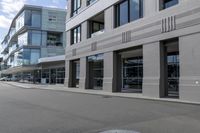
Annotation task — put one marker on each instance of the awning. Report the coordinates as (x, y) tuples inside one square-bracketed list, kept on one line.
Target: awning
[(19, 69)]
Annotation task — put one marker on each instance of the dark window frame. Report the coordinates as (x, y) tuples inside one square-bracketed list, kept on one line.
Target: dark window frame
[(72, 35), (117, 12), (75, 11), (163, 4), (91, 25), (89, 2)]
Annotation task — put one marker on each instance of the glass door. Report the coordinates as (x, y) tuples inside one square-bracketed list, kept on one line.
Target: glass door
[(53, 76), (132, 72), (173, 74)]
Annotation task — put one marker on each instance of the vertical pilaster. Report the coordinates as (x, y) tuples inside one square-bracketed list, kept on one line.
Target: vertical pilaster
[(108, 72), (84, 27), (151, 69), (83, 74), (189, 67), (109, 19), (150, 7), (67, 73)]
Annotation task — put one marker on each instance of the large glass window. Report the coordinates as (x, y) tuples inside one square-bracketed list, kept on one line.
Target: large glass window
[(96, 71), (173, 74), (36, 37), (132, 74), (75, 73), (20, 22), (45, 76), (60, 76), (23, 39), (30, 56), (76, 5), (35, 55), (76, 35), (36, 19), (54, 39), (90, 1), (33, 18), (127, 11), (167, 3)]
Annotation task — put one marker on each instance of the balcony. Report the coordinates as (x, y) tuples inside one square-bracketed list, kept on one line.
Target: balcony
[(97, 33), (13, 48), (96, 25)]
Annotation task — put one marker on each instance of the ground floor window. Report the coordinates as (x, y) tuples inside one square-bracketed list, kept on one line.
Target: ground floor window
[(173, 74), (60, 76), (75, 73), (95, 64), (45, 76), (132, 74)]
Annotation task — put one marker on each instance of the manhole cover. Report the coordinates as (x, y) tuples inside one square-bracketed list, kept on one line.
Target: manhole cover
[(119, 131)]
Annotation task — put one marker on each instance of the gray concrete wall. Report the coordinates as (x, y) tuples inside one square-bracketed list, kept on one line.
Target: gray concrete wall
[(151, 69), (190, 67)]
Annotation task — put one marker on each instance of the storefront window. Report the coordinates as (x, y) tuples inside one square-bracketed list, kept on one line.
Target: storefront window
[(60, 77), (132, 74), (75, 73), (96, 71)]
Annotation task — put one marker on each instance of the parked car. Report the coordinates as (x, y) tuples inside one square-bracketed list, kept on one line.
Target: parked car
[(5, 79)]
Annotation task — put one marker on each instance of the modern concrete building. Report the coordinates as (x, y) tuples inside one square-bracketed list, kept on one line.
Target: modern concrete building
[(135, 46), (34, 48)]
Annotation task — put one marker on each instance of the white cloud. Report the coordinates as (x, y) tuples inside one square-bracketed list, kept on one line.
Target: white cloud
[(55, 1), (52, 6), (11, 7), (4, 22)]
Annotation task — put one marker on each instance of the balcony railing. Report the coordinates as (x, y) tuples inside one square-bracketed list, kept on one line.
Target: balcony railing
[(98, 33)]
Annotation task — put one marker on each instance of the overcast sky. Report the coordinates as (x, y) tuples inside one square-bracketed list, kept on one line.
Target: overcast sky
[(9, 8)]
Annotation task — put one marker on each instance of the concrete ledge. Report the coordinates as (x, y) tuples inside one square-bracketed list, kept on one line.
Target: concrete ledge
[(95, 92)]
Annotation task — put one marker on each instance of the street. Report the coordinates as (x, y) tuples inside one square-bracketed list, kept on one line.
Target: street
[(46, 111)]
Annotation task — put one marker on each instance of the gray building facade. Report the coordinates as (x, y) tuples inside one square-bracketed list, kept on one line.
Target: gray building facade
[(149, 47), (35, 35)]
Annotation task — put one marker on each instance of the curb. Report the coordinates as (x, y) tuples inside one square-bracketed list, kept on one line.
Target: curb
[(111, 95)]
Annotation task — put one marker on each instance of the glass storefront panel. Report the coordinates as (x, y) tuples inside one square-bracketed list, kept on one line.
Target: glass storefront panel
[(96, 71), (173, 74), (45, 76), (75, 73), (132, 71), (60, 75), (53, 76)]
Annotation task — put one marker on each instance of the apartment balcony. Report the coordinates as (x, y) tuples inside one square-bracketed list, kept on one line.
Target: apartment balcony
[(5, 57), (96, 25), (13, 48), (98, 33)]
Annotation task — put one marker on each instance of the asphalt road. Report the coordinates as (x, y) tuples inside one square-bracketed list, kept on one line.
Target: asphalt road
[(45, 111)]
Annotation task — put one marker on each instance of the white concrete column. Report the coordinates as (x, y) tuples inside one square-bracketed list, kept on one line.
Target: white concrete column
[(189, 47), (68, 38), (83, 74), (150, 7), (84, 31), (67, 72), (109, 19), (83, 3), (151, 69), (69, 9), (108, 71)]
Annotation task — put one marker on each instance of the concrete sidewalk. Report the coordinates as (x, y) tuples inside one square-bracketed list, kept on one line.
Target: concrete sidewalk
[(94, 92)]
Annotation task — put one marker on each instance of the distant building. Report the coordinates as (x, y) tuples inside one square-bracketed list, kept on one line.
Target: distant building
[(34, 48)]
